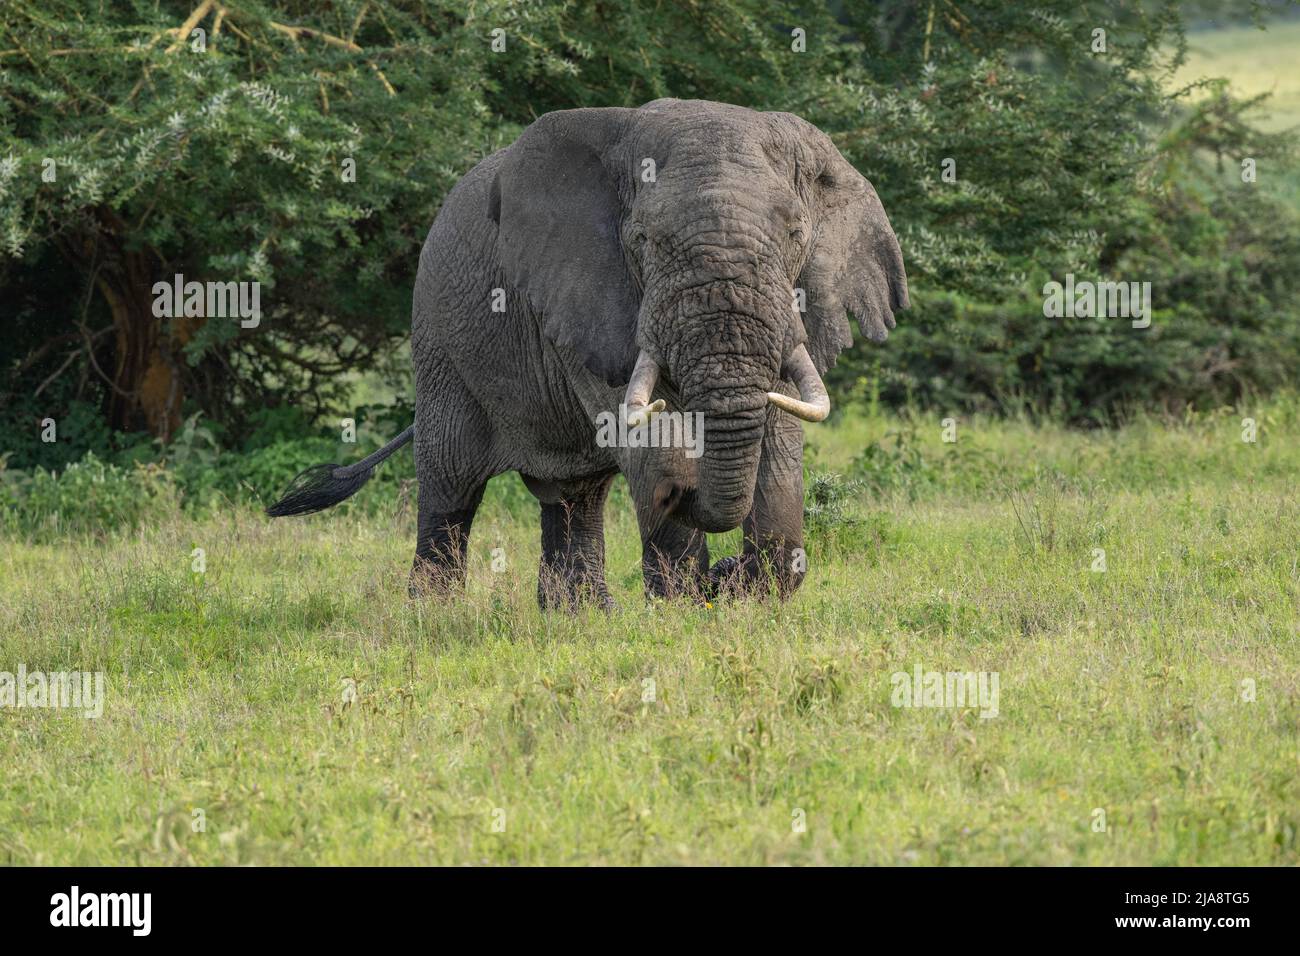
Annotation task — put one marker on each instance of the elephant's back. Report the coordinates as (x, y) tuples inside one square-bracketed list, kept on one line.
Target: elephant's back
[(461, 236), (467, 320), (457, 272)]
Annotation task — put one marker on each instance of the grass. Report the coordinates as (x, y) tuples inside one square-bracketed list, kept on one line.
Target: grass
[(313, 715)]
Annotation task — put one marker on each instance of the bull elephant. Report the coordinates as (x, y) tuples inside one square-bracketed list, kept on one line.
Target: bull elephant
[(686, 256)]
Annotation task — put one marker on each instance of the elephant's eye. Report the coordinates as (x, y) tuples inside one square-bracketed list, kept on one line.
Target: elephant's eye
[(826, 181), (797, 234)]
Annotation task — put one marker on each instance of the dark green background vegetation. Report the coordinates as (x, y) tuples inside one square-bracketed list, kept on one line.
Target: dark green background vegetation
[(225, 164)]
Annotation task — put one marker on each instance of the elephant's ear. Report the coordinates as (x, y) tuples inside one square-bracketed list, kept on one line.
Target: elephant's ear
[(855, 265), (557, 206)]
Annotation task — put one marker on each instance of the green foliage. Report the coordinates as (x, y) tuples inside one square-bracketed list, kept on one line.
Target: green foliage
[(898, 463), (834, 524), (229, 164), (193, 471), (1067, 161), (235, 163), (82, 429), (268, 470), (89, 497), (270, 426), (825, 498)]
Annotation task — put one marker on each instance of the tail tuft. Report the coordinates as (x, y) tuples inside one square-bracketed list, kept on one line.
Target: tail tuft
[(322, 486), (318, 488)]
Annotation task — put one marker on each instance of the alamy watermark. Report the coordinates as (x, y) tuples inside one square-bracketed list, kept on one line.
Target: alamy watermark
[(61, 690), (663, 430), (75, 908), (209, 300), (951, 689), (1098, 300)]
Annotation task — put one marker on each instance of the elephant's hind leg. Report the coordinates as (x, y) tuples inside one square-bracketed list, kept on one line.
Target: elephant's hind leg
[(442, 547), (572, 570), (453, 459), (453, 464)]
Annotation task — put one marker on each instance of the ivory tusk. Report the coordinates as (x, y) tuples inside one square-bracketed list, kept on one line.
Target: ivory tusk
[(640, 386), (813, 404)]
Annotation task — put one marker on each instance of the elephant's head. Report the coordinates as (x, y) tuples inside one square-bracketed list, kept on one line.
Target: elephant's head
[(706, 251)]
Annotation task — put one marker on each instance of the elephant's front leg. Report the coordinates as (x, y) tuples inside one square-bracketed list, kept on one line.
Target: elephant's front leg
[(674, 559), (773, 550), (674, 556), (572, 570)]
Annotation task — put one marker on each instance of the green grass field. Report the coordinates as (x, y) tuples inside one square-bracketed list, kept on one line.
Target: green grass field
[(1148, 713)]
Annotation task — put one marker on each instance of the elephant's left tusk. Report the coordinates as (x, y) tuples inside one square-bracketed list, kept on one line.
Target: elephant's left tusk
[(816, 403), (640, 386)]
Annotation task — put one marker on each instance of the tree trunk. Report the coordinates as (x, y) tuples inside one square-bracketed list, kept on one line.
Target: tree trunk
[(147, 388), (146, 378)]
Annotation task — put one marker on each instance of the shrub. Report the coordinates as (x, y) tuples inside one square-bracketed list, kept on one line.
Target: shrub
[(895, 463), (267, 471), (88, 497)]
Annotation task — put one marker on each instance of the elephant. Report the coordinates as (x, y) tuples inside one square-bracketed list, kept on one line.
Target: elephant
[(626, 264)]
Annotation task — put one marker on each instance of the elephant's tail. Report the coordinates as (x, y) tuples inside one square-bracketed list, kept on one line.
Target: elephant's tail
[(323, 486)]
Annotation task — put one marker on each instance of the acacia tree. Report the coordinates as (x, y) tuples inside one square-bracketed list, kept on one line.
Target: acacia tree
[(301, 146), (304, 146)]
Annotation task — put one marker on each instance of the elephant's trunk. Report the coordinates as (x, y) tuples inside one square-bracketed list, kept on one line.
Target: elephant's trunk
[(727, 478), (734, 419), (720, 337)]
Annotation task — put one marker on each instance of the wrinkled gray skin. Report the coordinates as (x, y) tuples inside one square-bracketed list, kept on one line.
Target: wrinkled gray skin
[(698, 268)]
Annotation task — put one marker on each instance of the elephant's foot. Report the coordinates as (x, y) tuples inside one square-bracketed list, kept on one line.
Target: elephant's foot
[(560, 591), (729, 578), (751, 575), (572, 572), (434, 579), (442, 545), (675, 564), (685, 579)]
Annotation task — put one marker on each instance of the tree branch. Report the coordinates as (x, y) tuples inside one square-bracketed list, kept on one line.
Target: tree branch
[(199, 13)]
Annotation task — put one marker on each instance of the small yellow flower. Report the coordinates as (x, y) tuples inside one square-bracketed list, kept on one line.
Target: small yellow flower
[(708, 605)]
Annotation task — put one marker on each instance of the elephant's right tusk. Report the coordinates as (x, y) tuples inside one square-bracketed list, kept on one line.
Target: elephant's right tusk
[(640, 386), (816, 403)]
